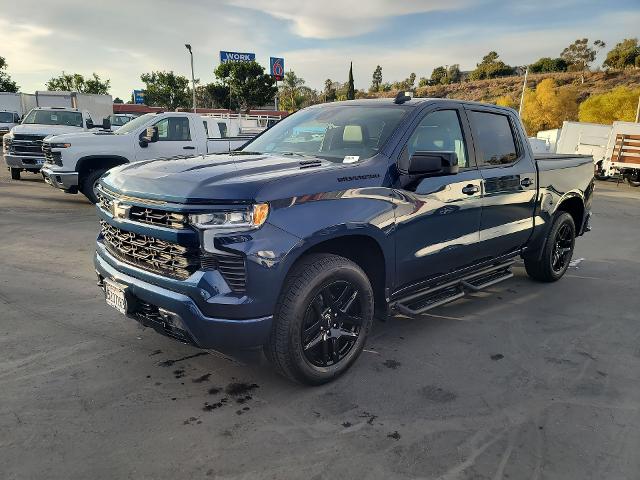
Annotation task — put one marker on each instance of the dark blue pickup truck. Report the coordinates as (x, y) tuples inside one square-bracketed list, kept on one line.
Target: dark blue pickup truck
[(340, 213)]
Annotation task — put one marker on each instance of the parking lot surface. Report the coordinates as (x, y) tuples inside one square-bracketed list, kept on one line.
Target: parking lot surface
[(523, 381)]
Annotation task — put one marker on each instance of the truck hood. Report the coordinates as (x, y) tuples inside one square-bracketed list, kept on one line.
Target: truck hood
[(84, 138), (37, 129), (215, 178)]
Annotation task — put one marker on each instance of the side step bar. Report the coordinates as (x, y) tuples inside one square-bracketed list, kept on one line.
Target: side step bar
[(424, 300)]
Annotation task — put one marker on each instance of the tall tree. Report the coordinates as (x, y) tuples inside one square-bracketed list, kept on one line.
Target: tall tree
[(248, 84), (292, 91), (377, 79), (438, 75), (329, 92), (75, 82), (491, 67), (351, 90), (579, 55), (166, 89), (623, 55), (6, 84)]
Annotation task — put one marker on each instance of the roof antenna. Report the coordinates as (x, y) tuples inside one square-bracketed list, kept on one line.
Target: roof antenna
[(402, 97)]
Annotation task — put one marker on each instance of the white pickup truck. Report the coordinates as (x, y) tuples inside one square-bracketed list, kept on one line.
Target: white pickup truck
[(75, 162), (22, 146)]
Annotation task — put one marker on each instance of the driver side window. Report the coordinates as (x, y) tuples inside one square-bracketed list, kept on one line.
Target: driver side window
[(439, 131)]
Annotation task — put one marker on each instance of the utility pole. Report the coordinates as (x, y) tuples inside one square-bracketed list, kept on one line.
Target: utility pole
[(193, 78), (524, 88), (638, 111)]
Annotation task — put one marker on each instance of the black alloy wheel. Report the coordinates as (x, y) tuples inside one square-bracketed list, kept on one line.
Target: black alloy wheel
[(331, 324)]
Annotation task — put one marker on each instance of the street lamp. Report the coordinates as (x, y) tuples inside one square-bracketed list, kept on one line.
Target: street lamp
[(193, 78)]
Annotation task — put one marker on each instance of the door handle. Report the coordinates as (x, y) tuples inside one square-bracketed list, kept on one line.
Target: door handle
[(188, 148), (470, 189), (526, 182)]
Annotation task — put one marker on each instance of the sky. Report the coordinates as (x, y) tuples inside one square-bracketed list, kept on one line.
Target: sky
[(120, 40)]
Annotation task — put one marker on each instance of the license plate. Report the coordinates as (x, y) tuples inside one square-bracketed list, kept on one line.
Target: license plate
[(115, 296)]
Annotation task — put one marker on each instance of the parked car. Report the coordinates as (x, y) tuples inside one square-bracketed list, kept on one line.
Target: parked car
[(76, 162), (22, 146), (119, 119), (8, 120), (339, 213)]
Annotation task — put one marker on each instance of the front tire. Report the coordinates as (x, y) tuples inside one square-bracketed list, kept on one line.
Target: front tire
[(89, 184), (556, 253), (15, 173), (322, 319)]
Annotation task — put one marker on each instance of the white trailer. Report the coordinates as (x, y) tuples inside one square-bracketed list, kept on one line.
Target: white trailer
[(585, 138), (550, 137), (98, 106), (623, 152)]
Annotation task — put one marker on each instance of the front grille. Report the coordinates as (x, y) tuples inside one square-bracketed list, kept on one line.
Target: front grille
[(154, 216), (231, 267), (54, 158), (22, 144), (149, 253)]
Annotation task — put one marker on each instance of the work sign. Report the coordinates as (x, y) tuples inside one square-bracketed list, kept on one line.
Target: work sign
[(236, 57)]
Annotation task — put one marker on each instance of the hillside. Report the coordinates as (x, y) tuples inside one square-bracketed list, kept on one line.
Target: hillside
[(490, 90)]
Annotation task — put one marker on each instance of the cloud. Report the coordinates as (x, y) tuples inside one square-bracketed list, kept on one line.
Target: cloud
[(330, 19)]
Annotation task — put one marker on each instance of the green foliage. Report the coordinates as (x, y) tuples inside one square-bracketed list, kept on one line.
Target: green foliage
[(249, 85), (444, 76), (6, 84), (624, 55), (376, 80), (294, 95), (618, 104), (491, 67), (166, 89), (351, 91), (330, 91), (118, 100), (547, 64), (579, 55), (75, 82), (215, 95), (406, 84)]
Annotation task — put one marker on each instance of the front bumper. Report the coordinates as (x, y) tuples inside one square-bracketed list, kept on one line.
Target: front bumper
[(67, 181), (23, 161), (180, 316)]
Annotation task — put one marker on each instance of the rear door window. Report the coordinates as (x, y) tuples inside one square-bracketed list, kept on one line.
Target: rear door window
[(493, 138)]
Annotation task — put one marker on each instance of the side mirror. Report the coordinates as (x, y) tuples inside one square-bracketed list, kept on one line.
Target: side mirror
[(106, 123), (89, 123), (150, 135), (433, 164)]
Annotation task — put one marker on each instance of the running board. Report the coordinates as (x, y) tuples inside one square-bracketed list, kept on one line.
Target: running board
[(422, 301)]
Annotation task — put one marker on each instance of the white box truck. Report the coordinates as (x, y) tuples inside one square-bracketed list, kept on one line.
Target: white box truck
[(55, 113), (585, 139)]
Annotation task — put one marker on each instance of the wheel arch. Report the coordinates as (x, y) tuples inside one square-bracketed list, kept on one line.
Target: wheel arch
[(362, 249), (94, 162)]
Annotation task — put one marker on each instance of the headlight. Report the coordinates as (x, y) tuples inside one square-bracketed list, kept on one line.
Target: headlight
[(59, 145), (252, 217), (6, 142)]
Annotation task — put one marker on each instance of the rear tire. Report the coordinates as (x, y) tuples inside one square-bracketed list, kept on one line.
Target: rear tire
[(89, 183), (15, 173), (556, 253), (322, 319), (634, 178)]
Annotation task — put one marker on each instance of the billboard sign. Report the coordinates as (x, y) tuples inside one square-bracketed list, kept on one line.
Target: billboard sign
[(277, 67), (138, 97), (236, 57)]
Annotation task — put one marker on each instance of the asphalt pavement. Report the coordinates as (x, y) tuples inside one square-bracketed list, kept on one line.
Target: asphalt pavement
[(522, 381)]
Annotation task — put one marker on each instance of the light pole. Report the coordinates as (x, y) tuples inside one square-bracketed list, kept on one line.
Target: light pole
[(193, 79), (524, 88)]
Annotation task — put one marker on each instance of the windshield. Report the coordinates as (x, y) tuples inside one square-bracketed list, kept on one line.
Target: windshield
[(119, 120), (134, 124), (340, 133), (54, 117), (6, 117)]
